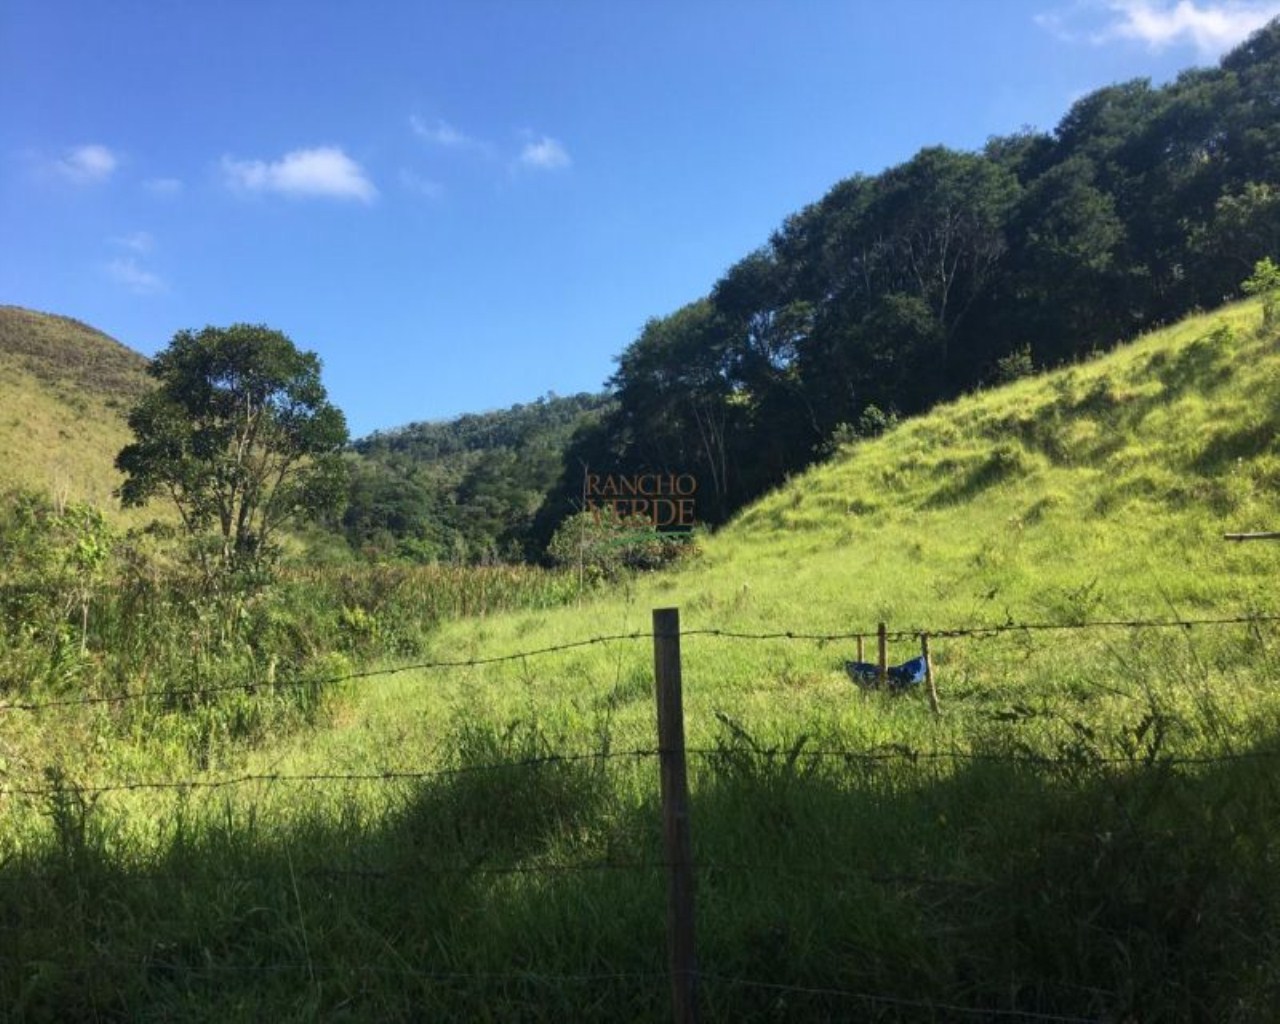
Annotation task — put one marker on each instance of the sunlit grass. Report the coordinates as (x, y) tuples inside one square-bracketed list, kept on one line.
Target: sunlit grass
[(1087, 829)]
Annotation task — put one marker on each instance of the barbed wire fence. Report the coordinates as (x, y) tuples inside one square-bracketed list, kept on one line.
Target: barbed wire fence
[(677, 863)]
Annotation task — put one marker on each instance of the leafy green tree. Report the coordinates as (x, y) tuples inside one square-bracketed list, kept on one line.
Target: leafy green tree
[(1265, 282), (678, 408), (240, 435), (1244, 227), (1067, 280)]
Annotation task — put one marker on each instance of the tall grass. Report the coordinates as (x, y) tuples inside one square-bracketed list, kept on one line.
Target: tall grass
[(1094, 857), (1088, 831), (243, 666)]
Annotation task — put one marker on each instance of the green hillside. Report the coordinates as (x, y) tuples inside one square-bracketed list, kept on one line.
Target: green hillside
[(1098, 490), (1087, 831), (65, 389), (898, 290)]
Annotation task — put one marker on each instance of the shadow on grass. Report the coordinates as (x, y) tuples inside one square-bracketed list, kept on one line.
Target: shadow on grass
[(894, 887)]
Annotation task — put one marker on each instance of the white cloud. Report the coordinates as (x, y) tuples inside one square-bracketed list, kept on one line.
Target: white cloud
[(423, 186), (1211, 26), (325, 171), (442, 133), (141, 242), (163, 187), (544, 154), (126, 271), (87, 165)]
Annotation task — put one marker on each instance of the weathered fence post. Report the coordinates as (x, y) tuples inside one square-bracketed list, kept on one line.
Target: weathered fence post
[(883, 663), (928, 673), (860, 654), (675, 815)]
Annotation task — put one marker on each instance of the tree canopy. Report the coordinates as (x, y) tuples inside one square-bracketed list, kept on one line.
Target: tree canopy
[(947, 272), (463, 490), (240, 435)]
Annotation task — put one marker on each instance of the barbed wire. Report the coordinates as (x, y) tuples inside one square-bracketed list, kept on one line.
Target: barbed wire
[(371, 874), (897, 752), (193, 692), (376, 775), (995, 629), (705, 868), (1028, 757), (296, 684), (915, 1004), (311, 968)]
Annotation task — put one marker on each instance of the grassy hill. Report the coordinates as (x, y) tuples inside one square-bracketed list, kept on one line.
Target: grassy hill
[(1101, 490), (65, 389), (1086, 832)]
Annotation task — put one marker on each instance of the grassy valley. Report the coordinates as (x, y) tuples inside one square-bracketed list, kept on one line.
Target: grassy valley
[(1086, 832), (382, 766)]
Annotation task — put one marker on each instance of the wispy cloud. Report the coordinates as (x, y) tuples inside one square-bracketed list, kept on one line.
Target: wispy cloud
[(86, 165), (415, 182), (163, 187), (445, 135), (141, 242), (1211, 26), (544, 154), (325, 171), (126, 271)]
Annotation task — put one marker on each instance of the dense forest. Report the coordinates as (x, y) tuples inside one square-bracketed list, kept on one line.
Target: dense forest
[(894, 291), (951, 271), (464, 490)]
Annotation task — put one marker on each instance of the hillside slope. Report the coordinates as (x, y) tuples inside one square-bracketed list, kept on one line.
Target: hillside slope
[(1083, 832), (1036, 848), (65, 389), (1102, 488), (1099, 491)]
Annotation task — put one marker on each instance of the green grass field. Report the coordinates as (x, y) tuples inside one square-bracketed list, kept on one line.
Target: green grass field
[(1088, 832)]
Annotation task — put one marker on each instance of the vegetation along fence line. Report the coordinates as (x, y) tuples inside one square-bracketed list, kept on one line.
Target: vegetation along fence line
[(677, 863), (923, 634)]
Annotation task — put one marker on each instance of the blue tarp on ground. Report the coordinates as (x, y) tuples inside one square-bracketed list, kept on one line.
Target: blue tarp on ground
[(898, 677)]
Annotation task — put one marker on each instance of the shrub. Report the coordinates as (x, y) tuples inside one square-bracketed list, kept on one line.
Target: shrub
[(1265, 282)]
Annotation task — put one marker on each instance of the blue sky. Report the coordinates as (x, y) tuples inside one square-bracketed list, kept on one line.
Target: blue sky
[(461, 205)]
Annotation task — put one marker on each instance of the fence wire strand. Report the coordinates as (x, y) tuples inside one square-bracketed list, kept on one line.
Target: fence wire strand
[(874, 756), (978, 632), (321, 778), (705, 867), (330, 681), (915, 1004)]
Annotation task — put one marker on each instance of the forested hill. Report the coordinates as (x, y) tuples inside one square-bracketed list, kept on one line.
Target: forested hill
[(464, 489), (955, 269)]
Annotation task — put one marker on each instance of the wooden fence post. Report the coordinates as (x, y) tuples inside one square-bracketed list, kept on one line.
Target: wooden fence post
[(883, 663), (860, 654), (928, 673), (675, 815)]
